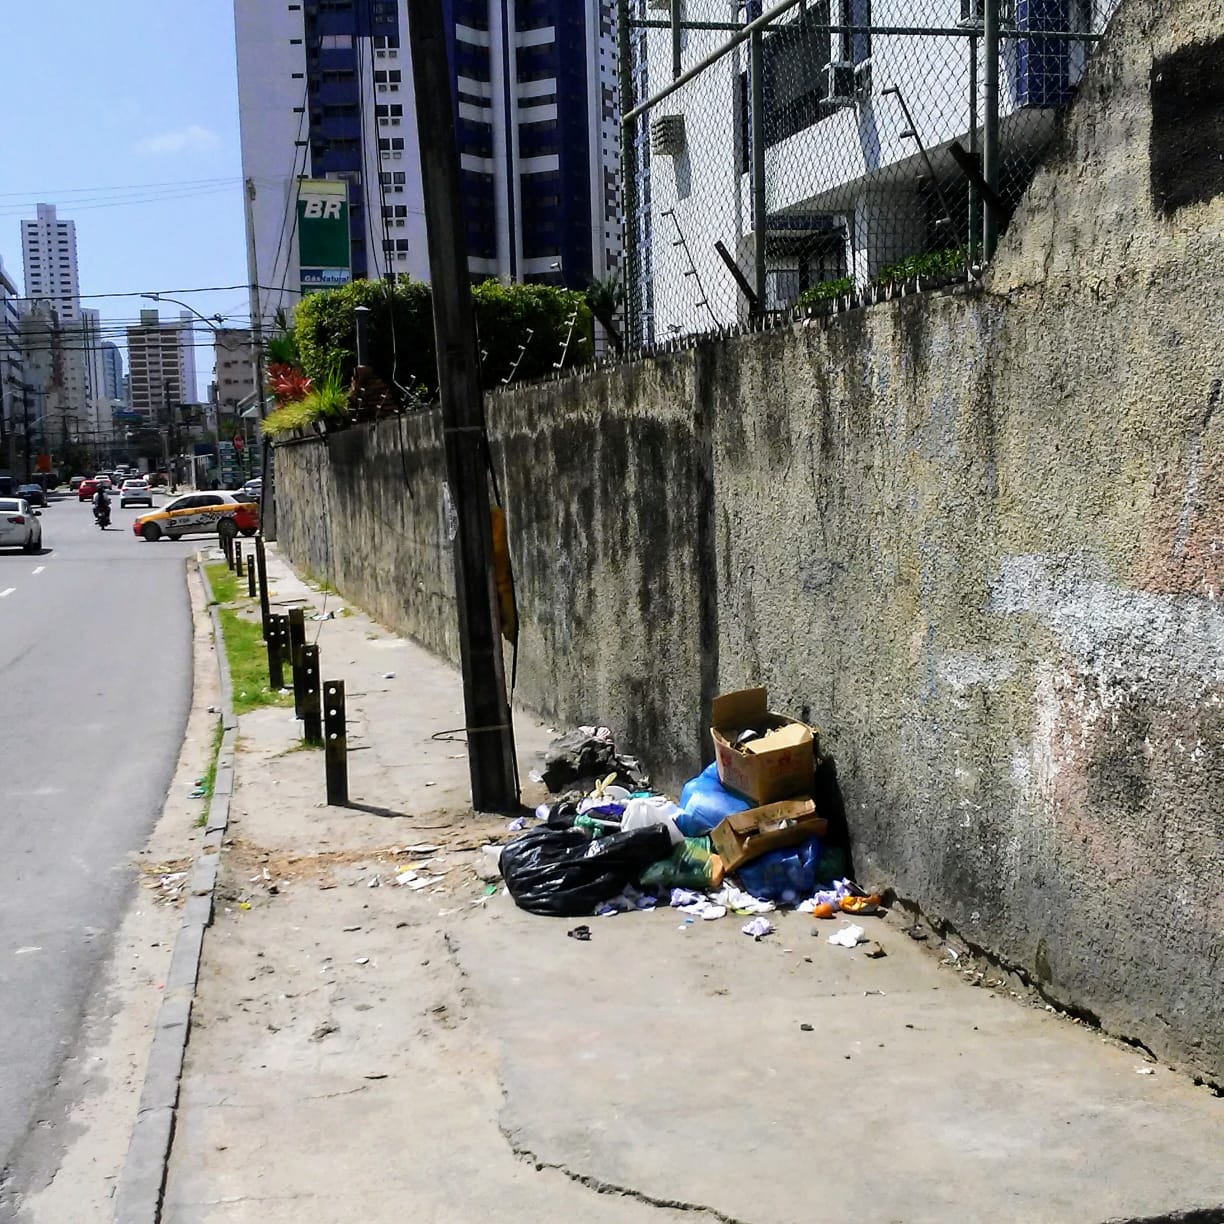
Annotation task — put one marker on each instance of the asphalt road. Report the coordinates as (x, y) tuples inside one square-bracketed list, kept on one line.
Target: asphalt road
[(95, 685)]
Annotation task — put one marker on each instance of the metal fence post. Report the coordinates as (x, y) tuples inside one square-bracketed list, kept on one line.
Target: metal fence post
[(276, 635), (990, 126), (335, 742), (312, 729), (756, 73), (631, 230), (297, 639), (250, 569), (261, 564)]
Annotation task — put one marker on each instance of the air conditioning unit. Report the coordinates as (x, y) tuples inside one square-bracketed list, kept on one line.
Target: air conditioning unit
[(381, 54), (656, 5), (839, 83), (667, 135)]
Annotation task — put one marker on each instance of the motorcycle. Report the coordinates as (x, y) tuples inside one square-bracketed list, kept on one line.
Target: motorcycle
[(102, 516)]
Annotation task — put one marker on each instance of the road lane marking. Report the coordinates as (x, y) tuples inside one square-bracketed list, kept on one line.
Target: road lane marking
[(7, 591), (40, 569)]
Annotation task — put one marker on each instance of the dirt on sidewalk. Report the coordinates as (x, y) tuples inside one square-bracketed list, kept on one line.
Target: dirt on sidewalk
[(381, 1035)]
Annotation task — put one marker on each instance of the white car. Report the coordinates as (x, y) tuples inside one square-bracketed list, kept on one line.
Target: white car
[(135, 493), (19, 525)]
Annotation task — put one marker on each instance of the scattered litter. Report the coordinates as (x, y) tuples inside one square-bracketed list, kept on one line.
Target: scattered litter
[(953, 956), (806, 1028), (388, 675), (758, 928), (516, 824), (198, 793), (362, 960), (374, 882), (490, 889), (536, 776), (916, 932), (244, 905), (848, 937), (741, 902), (213, 710), (375, 1075), (626, 902), (326, 1029), (875, 951), (322, 616), (1144, 1071), (582, 933), (431, 784), (486, 863), (421, 848), (351, 929)]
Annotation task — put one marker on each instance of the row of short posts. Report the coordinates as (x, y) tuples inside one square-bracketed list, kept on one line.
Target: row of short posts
[(319, 705)]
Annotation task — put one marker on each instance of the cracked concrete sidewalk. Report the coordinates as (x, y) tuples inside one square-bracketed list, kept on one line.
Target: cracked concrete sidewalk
[(375, 1053)]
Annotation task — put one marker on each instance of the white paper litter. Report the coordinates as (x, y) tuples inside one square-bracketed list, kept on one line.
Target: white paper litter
[(849, 936)]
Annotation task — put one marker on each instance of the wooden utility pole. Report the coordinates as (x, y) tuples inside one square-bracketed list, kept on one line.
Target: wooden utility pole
[(490, 733)]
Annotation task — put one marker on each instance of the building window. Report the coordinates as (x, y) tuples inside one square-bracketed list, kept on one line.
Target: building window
[(336, 42)]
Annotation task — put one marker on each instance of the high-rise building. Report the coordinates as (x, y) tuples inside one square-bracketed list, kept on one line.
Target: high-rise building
[(11, 366), (187, 342), (155, 366), (326, 92), (233, 370), (49, 250), (112, 371)]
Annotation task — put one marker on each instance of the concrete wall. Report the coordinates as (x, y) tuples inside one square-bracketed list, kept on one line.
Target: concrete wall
[(977, 536)]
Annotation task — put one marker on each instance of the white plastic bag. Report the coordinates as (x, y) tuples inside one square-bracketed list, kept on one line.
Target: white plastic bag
[(651, 810)]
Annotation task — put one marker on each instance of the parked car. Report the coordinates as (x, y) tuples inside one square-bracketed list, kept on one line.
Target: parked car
[(199, 514), (74, 483), (19, 525), (157, 479), (86, 489), (135, 493), (34, 494), (254, 487)]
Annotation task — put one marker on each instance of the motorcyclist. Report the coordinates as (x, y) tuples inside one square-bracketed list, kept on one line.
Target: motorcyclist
[(101, 503)]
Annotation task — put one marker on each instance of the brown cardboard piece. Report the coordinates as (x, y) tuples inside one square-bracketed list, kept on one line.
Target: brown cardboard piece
[(744, 836), (772, 771)]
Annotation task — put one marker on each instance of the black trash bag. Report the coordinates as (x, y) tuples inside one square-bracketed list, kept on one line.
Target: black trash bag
[(562, 873)]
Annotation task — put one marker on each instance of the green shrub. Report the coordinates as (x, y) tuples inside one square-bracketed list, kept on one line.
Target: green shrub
[(933, 265), (826, 291), (402, 348), (326, 400)]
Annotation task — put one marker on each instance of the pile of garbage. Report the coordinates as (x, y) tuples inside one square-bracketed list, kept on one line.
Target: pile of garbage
[(744, 838)]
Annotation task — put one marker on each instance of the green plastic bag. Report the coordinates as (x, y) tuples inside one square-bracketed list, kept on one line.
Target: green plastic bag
[(693, 864)]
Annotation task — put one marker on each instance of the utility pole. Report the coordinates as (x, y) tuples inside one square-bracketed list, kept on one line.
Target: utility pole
[(490, 733), (25, 427), (267, 500), (171, 439)]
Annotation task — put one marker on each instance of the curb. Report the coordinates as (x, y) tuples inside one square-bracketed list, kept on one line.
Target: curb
[(138, 1197)]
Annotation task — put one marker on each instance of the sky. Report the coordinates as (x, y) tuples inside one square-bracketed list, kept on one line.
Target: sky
[(125, 116)]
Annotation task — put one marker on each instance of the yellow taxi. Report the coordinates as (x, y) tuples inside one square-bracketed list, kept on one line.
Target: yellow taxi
[(205, 513)]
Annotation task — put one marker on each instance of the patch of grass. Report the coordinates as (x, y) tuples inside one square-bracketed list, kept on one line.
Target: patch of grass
[(248, 663), (223, 581), (301, 746)]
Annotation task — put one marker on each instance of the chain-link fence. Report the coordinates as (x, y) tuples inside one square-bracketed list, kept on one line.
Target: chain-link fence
[(784, 154)]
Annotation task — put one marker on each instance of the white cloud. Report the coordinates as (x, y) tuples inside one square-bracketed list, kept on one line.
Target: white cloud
[(190, 139)]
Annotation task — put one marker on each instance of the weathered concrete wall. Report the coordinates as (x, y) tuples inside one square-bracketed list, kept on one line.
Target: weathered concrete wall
[(978, 536)]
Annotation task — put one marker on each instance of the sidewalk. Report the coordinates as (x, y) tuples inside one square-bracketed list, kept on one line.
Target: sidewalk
[(366, 1051)]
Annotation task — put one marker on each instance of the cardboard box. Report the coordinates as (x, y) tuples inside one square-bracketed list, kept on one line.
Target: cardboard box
[(743, 836), (772, 769)]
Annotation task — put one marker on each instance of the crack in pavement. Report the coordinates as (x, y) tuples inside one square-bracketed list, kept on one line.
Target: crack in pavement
[(600, 1186)]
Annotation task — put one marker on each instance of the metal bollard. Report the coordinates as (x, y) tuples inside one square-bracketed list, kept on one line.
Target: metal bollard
[(277, 637), (312, 729), (227, 548), (261, 564), (297, 639), (250, 568), (237, 559), (335, 743)]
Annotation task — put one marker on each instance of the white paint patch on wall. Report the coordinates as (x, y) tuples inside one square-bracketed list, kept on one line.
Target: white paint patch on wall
[(1157, 642), (965, 669)]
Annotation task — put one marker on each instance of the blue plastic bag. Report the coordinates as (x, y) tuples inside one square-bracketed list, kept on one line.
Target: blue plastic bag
[(705, 802), (786, 876)]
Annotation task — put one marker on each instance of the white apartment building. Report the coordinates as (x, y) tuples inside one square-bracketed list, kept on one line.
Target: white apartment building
[(847, 188), (49, 251), (155, 367), (233, 370), (326, 92)]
